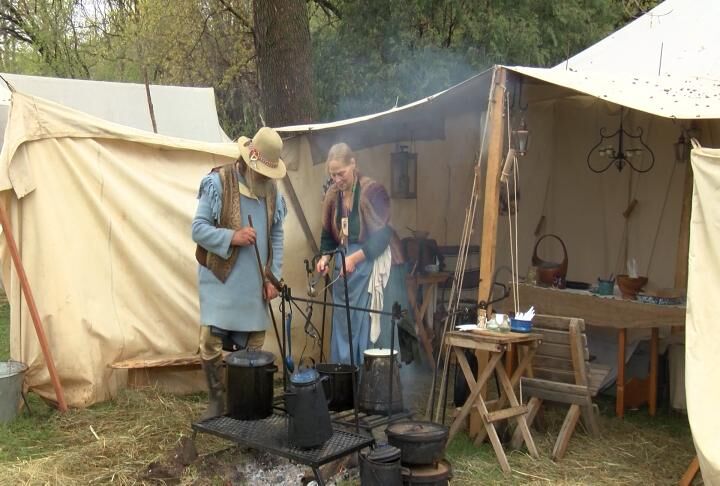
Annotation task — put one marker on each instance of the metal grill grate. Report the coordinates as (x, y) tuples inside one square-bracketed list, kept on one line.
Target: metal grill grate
[(271, 434)]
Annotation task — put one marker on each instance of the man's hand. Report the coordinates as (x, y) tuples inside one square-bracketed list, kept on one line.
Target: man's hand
[(244, 237), (322, 265), (269, 291)]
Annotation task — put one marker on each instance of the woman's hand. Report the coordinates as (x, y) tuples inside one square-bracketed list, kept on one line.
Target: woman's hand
[(351, 261), (244, 237), (322, 265), (269, 291)]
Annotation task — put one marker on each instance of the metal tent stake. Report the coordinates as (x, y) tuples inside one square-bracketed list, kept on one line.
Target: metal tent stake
[(30, 300)]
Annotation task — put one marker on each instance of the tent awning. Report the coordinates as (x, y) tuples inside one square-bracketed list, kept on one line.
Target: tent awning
[(669, 95)]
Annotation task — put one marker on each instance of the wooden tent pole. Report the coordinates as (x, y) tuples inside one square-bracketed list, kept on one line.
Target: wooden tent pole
[(25, 285), (488, 235)]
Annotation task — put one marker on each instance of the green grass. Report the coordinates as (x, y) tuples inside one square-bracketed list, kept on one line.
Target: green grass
[(32, 434), (4, 329)]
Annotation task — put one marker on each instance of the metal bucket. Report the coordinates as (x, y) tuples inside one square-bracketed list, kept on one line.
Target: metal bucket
[(11, 382)]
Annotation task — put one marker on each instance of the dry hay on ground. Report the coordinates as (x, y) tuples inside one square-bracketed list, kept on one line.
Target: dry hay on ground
[(142, 438)]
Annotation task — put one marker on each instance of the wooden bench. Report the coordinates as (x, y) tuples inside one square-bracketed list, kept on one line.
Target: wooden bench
[(561, 372), (177, 373)]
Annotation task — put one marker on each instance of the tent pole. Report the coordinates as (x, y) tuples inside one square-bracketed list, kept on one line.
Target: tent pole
[(488, 236), (491, 211), (30, 300)]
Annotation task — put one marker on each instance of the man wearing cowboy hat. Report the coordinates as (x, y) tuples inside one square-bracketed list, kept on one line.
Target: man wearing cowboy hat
[(233, 292)]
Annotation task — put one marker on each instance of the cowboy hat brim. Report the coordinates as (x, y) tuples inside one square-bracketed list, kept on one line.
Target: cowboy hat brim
[(257, 165)]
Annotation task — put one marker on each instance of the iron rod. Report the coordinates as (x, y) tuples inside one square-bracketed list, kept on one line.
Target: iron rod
[(349, 307), (350, 342)]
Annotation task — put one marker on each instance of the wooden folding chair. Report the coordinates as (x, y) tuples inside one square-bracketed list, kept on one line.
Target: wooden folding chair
[(562, 373)]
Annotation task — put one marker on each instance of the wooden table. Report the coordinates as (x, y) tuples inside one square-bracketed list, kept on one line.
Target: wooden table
[(429, 282), (608, 312), (495, 343)]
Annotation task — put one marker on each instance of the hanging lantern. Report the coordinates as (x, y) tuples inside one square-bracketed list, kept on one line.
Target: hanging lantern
[(521, 136), (682, 150), (403, 172)]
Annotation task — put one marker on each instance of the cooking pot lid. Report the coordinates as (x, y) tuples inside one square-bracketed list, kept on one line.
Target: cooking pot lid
[(384, 453), (303, 377), (379, 352), (428, 473), (250, 358), (417, 431)]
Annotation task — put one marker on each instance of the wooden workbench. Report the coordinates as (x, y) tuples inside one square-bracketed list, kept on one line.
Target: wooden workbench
[(607, 312)]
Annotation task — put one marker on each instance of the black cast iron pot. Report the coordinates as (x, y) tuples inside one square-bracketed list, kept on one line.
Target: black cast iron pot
[(250, 384), (339, 384), (420, 443)]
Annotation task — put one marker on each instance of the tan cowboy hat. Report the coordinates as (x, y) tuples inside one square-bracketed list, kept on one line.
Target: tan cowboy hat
[(262, 153)]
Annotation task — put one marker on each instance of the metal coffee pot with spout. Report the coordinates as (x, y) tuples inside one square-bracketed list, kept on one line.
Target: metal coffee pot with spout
[(309, 423)]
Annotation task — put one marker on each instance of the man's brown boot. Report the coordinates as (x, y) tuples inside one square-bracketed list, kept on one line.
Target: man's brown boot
[(216, 390)]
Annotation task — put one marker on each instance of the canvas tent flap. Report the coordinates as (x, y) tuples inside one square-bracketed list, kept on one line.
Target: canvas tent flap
[(184, 112), (35, 119), (674, 95), (104, 236), (677, 36), (702, 366)]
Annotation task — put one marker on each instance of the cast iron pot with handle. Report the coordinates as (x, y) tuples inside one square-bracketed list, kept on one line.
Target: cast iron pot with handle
[(420, 443), (339, 384), (250, 384), (309, 419)]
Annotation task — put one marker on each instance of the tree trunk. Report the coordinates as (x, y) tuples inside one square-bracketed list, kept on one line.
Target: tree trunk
[(284, 61)]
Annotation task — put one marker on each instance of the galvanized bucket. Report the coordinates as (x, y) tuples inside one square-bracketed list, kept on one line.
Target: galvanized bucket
[(11, 382)]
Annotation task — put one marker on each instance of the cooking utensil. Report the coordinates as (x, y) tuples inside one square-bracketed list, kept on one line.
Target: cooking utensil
[(419, 442), (378, 368), (250, 384), (309, 423), (435, 475), (289, 363), (339, 384)]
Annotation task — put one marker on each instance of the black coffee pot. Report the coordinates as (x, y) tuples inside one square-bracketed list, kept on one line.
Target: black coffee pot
[(309, 420)]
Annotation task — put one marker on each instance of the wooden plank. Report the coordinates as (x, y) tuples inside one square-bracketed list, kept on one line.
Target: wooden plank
[(420, 329), (555, 396), (295, 201), (554, 375), (508, 391), (488, 234), (505, 413), (580, 354), (568, 388), (652, 397), (690, 472), (554, 322), (596, 376), (466, 341), (184, 359), (503, 337), (566, 431), (620, 383), (599, 311), (552, 363), (533, 407), (559, 351), (558, 337), (475, 388)]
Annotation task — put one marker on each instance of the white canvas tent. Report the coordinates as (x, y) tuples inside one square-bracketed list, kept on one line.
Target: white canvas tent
[(184, 112)]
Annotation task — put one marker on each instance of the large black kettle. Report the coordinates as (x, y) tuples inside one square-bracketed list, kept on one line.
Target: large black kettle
[(309, 420)]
